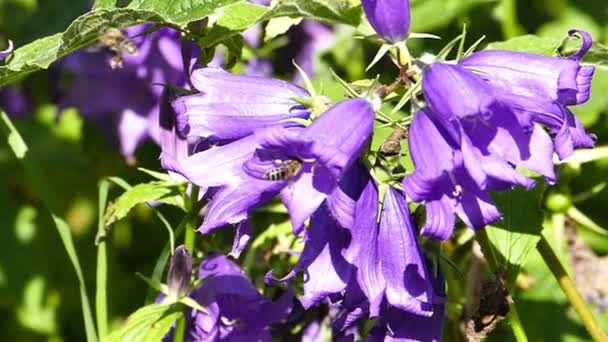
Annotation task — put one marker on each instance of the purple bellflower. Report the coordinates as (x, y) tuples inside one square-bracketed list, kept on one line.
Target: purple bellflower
[(390, 265), (540, 88), (389, 18), (254, 169), (4, 53), (442, 181), (132, 92), (236, 311), (231, 106), (401, 326)]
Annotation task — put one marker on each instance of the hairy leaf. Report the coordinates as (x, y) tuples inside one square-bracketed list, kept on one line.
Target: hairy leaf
[(141, 193), (150, 323), (331, 11), (519, 231)]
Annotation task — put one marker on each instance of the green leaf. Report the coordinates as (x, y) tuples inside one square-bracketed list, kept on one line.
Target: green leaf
[(164, 192), (331, 11), (180, 12), (234, 19), (83, 31), (104, 4), (150, 323), (519, 231), (528, 43)]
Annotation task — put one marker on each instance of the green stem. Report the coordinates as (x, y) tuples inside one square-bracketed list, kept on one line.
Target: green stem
[(189, 241), (488, 251), (190, 237), (510, 26), (567, 285), (486, 248), (516, 326)]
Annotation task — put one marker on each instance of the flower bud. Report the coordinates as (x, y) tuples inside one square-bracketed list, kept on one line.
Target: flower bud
[(180, 271), (389, 18)]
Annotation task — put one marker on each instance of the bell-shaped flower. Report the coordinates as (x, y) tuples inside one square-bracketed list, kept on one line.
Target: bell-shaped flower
[(443, 182), (326, 270), (540, 88), (236, 311), (390, 265), (389, 18), (9, 49), (304, 165), (126, 100), (486, 130), (232, 106), (398, 325), (310, 161)]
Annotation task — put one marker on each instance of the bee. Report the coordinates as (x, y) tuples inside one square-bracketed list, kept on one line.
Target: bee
[(116, 41), (284, 170)]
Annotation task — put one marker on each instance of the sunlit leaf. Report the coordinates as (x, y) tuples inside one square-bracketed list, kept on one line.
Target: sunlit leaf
[(149, 323)]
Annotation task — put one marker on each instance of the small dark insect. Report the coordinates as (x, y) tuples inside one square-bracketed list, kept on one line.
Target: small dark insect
[(116, 41), (284, 170)]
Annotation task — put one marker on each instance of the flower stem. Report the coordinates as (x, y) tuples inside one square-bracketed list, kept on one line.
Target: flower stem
[(486, 248), (567, 285), (190, 236), (488, 251)]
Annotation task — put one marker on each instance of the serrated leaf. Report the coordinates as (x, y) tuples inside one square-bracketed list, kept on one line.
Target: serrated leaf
[(82, 32), (150, 323), (331, 11), (141, 193), (234, 19), (519, 231), (181, 11), (85, 30)]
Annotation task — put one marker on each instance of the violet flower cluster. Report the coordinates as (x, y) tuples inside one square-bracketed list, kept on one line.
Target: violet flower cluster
[(485, 121), (235, 310), (486, 118), (127, 99)]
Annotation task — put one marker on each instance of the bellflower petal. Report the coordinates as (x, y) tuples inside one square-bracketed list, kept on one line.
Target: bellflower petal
[(389, 18), (562, 80), (242, 237), (4, 53), (323, 151), (343, 200), (439, 222), (397, 325), (219, 165), (233, 106), (408, 284), (174, 148), (329, 273), (451, 188), (233, 305), (454, 92), (232, 204)]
